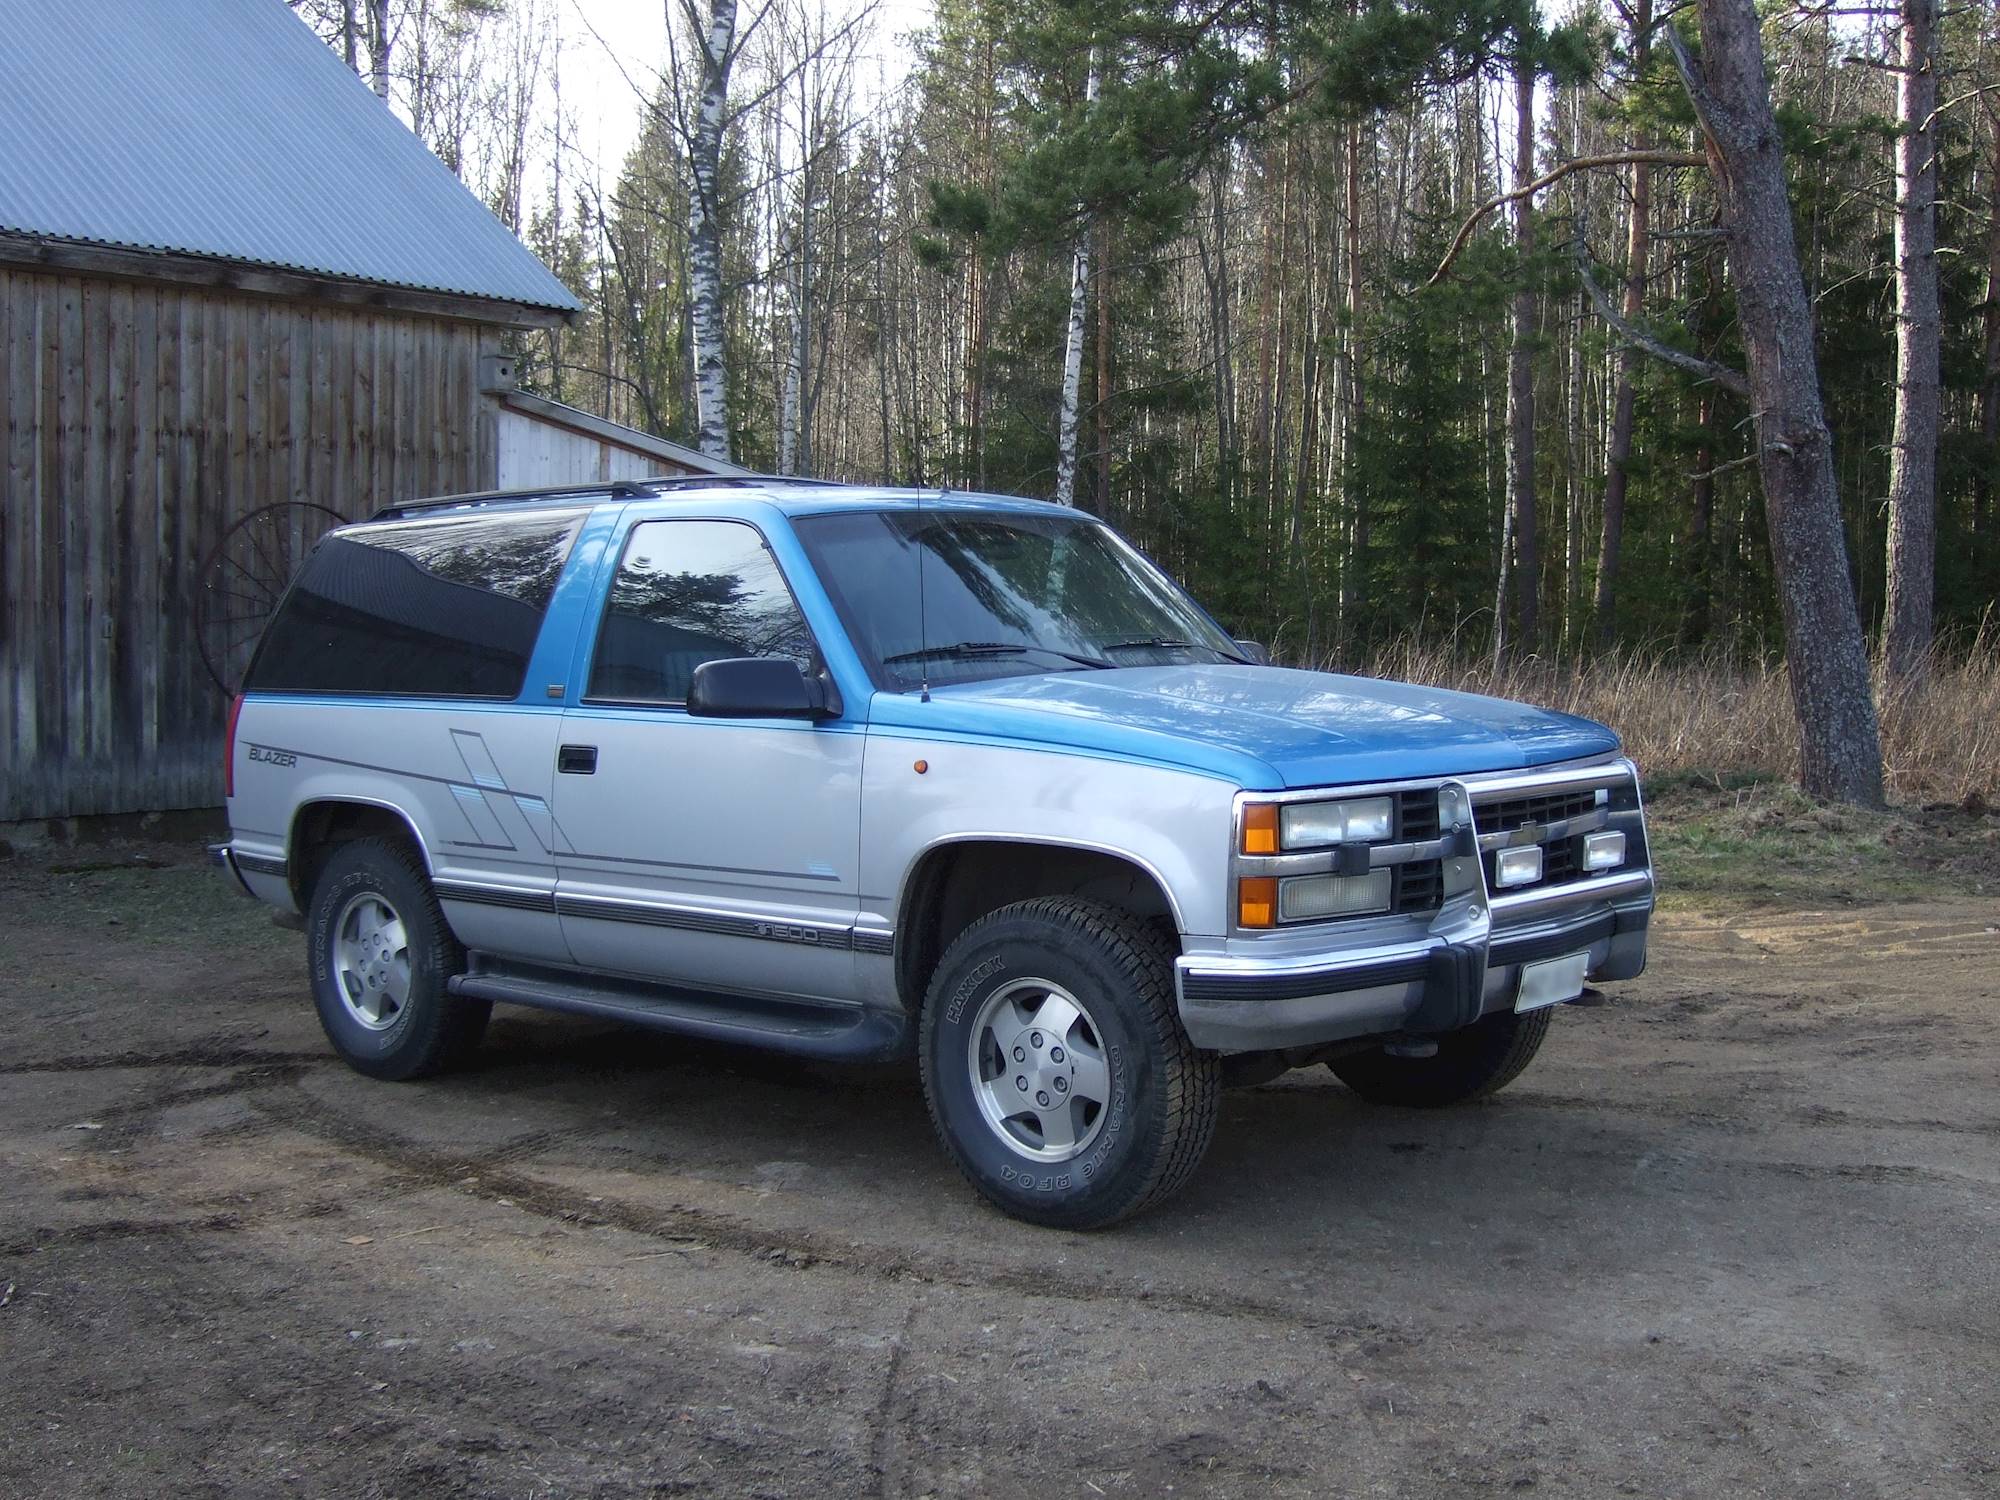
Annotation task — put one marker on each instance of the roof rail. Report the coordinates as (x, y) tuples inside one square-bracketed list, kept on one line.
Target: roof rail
[(618, 489)]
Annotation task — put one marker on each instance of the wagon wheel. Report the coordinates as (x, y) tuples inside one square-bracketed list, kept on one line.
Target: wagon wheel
[(245, 576)]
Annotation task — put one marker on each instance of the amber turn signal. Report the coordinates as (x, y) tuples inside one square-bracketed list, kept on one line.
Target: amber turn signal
[(1256, 901), (1260, 828)]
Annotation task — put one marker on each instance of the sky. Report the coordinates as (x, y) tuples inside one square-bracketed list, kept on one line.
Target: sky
[(611, 47)]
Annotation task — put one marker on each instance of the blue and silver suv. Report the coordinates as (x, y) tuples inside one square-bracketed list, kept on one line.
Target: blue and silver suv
[(863, 774)]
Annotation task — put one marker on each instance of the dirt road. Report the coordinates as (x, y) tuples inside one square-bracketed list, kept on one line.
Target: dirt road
[(1736, 1233)]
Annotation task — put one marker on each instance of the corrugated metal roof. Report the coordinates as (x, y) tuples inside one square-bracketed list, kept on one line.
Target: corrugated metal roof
[(225, 128)]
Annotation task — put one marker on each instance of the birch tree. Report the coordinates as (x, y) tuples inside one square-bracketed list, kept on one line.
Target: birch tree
[(1638, 252), (1521, 375), (715, 35), (1913, 447), (1072, 381)]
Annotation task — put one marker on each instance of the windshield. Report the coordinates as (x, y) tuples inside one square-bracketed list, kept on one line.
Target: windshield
[(1002, 594)]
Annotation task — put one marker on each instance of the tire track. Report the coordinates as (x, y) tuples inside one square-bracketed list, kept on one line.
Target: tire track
[(446, 1170), (198, 1055)]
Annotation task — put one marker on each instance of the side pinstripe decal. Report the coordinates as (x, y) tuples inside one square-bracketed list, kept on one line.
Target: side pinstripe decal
[(495, 895), (871, 941)]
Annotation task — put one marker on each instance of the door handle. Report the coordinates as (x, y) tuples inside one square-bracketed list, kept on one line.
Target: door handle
[(577, 760)]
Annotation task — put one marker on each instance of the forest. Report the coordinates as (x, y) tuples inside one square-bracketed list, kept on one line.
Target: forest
[(1442, 333)]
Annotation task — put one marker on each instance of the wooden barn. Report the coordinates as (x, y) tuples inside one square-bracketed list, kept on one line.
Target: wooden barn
[(232, 285)]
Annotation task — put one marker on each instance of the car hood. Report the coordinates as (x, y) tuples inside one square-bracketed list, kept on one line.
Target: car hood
[(1266, 728)]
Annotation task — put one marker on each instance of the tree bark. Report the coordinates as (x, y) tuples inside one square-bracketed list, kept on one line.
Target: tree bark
[(1913, 445), (381, 42), (717, 41), (1638, 246), (1102, 409), (1347, 380), (978, 296), (1989, 390), (1072, 384), (1701, 520), (1839, 745), (1521, 373), (350, 26)]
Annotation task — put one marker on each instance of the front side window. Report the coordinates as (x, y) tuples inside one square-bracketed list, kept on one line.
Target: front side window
[(688, 592), (430, 608), (1002, 594)]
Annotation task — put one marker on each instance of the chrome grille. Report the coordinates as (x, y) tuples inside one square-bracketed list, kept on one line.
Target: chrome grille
[(1517, 812), (1559, 859)]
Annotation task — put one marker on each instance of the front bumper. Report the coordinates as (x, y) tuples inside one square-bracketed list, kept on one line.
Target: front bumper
[(1464, 964)]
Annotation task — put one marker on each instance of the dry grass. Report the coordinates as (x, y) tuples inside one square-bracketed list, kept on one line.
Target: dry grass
[(1726, 721)]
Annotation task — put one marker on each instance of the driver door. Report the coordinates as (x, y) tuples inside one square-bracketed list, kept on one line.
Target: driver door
[(717, 854)]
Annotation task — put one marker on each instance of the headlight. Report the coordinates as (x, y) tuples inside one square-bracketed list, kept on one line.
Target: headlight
[(1311, 825)]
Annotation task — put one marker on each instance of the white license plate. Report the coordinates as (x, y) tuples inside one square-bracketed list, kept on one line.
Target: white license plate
[(1551, 981)]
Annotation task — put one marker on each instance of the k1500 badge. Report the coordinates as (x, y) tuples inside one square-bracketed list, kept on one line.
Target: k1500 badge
[(273, 757)]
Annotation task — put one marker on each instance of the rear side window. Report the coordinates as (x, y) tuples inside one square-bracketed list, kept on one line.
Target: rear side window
[(689, 592), (436, 609)]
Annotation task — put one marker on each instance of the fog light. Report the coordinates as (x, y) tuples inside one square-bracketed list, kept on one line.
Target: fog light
[(1603, 851), (1521, 866), (1302, 898)]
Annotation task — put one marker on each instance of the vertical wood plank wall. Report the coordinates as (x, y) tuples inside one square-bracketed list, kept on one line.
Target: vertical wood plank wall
[(137, 422)]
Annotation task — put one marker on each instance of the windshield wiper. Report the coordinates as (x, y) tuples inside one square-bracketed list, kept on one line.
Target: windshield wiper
[(1168, 642), (975, 649)]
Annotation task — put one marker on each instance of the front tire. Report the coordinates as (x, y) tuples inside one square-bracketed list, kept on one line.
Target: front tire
[(380, 956), (1055, 1066), (1471, 1063)]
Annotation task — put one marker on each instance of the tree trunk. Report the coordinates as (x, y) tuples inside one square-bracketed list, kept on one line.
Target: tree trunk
[(791, 388), (1103, 405), (1989, 390), (1079, 288), (1913, 445), (1638, 245), (1347, 381), (381, 41), (1839, 747), (350, 27), (1521, 373), (711, 382), (1700, 548), (1701, 519), (1569, 627)]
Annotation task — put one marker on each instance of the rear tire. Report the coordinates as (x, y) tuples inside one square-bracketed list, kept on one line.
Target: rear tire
[(1471, 1063), (1055, 1066), (379, 957)]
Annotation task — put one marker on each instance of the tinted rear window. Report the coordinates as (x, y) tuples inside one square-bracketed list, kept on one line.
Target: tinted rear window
[(442, 609)]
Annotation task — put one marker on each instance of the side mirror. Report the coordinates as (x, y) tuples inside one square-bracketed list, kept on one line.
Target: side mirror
[(1255, 652), (756, 687)]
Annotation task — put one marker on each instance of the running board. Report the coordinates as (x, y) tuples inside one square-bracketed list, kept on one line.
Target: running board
[(802, 1028)]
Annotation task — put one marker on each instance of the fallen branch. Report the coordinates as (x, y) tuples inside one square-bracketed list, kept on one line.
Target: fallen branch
[(1704, 369), (1555, 175)]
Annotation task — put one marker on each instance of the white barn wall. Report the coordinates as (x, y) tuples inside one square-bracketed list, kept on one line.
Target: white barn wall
[(534, 452), (542, 442)]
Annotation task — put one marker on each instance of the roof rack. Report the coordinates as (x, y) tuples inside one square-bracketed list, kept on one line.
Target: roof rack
[(618, 489)]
